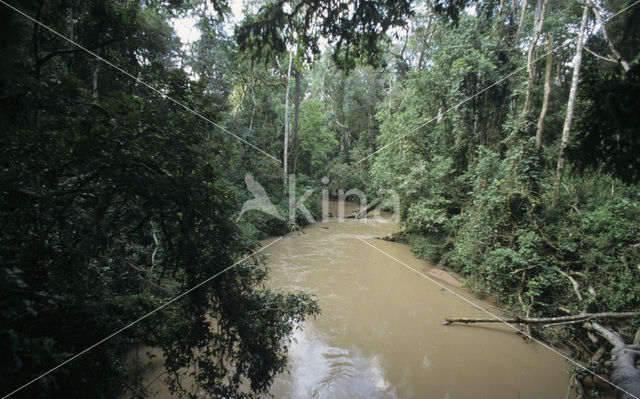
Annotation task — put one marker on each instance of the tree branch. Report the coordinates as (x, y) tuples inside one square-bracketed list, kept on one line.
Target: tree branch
[(602, 57), (544, 320), (596, 10), (625, 374)]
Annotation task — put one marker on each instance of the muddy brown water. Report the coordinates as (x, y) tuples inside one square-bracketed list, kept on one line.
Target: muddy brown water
[(380, 334)]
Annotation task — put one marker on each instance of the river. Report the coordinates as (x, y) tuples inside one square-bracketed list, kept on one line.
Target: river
[(380, 334)]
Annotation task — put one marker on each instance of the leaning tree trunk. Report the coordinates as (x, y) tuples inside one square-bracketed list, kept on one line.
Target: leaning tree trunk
[(625, 374), (286, 125), (547, 92), (566, 130)]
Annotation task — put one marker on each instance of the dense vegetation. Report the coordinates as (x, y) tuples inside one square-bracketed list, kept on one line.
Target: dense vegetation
[(472, 140), (115, 199)]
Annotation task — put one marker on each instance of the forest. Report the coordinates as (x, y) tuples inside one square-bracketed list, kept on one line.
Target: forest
[(508, 129)]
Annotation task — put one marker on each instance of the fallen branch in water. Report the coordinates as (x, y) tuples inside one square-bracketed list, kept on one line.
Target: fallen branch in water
[(625, 374), (364, 210), (544, 320)]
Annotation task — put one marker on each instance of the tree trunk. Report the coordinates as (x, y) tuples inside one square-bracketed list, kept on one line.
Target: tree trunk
[(365, 210), (547, 91), (566, 130), (286, 126), (541, 6), (522, 12), (500, 8), (420, 60), (625, 374), (296, 126), (94, 80)]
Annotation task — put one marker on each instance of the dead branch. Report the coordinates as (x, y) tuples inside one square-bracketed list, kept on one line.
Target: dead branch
[(544, 320), (602, 57), (596, 10), (364, 210), (576, 286), (524, 269), (625, 374), (599, 353), (523, 279), (564, 309)]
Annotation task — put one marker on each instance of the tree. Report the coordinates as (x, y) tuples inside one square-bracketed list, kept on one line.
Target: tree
[(566, 130), (353, 29), (114, 201), (287, 126), (296, 118), (540, 11), (317, 142), (547, 92), (606, 136)]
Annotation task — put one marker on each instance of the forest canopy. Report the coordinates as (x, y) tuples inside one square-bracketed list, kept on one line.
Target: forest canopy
[(509, 130)]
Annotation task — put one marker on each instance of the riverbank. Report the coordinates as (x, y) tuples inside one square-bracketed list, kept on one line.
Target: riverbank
[(380, 333)]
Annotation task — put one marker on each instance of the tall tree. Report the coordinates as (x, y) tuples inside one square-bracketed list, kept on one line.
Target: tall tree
[(287, 125), (354, 29), (538, 21), (296, 118), (566, 129), (113, 202), (547, 92)]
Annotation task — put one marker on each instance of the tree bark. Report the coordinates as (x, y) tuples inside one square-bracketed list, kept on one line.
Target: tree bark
[(544, 320), (500, 8), (625, 374), (520, 22), (420, 60), (286, 126), (541, 6), (296, 125), (94, 80), (566, 130), (547, 92)]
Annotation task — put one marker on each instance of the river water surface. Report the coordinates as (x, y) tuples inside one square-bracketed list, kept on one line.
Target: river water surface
[(380, 334)]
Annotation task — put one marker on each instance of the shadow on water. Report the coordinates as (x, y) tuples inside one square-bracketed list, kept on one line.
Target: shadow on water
[(380, 334)]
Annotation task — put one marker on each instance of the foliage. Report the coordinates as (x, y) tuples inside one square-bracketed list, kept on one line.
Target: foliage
[(608, 127), (477, 197), (115, 200), (317, 142), (354, 29)]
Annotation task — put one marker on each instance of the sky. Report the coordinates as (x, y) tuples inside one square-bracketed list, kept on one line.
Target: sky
[(189, 33)]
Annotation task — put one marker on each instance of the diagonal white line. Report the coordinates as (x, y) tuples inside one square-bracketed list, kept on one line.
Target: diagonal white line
[(444, 287), (485, 89), (139, 319), (196, 113)]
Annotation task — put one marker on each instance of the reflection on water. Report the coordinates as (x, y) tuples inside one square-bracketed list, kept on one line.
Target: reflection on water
[(380, 334), (323, 371)]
